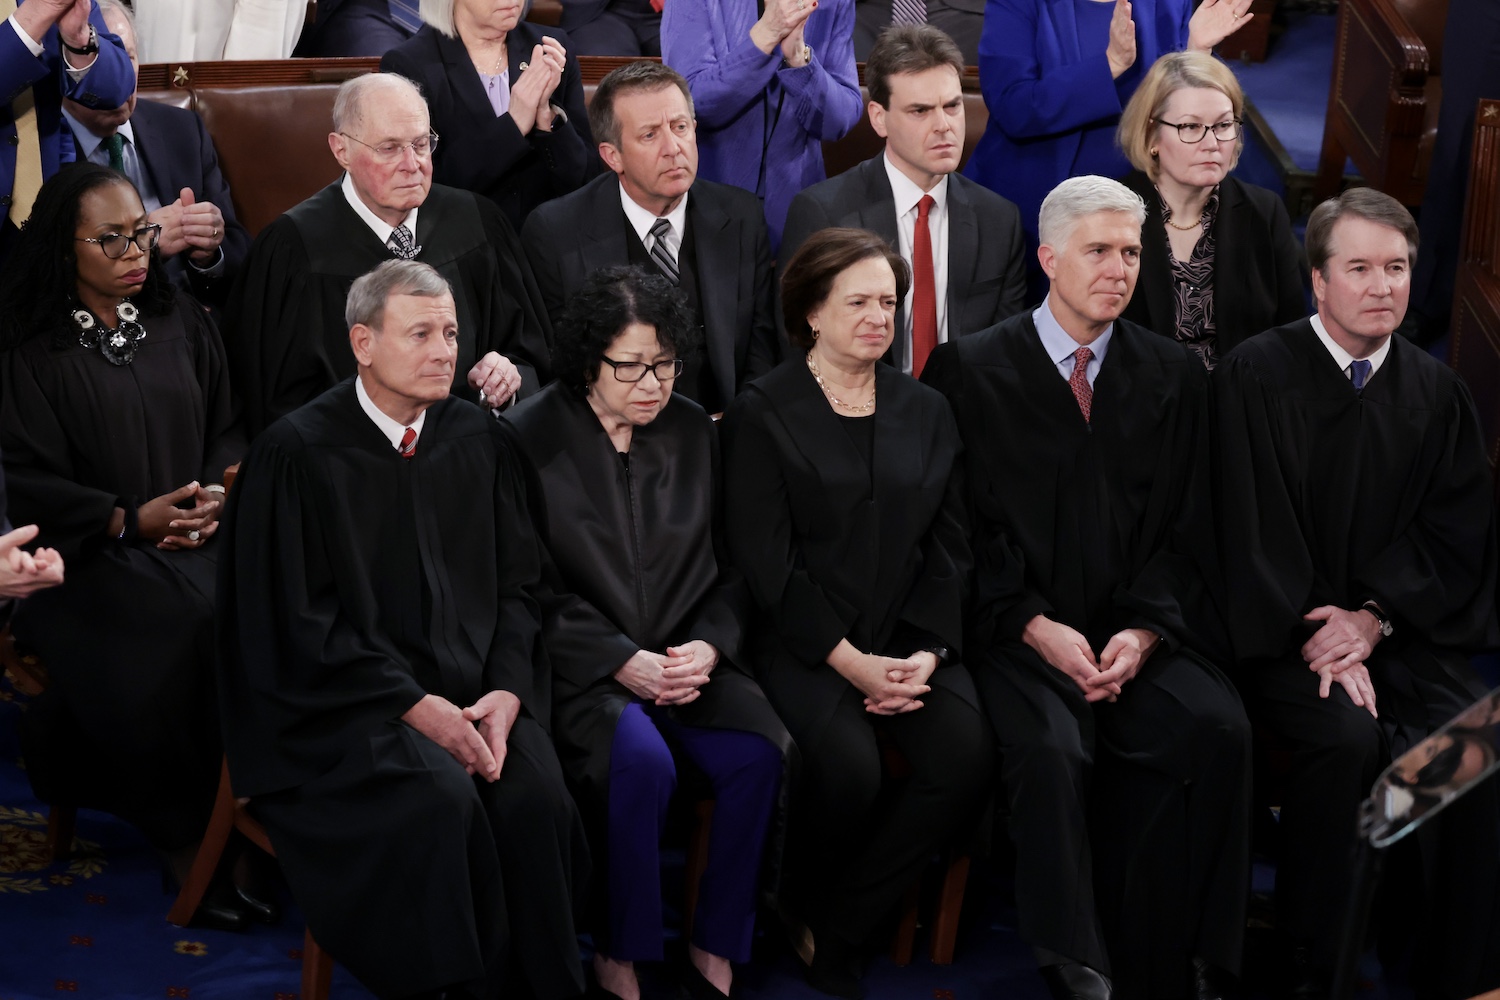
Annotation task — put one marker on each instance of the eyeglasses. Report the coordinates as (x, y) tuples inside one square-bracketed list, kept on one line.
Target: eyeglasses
[(1224, 131), (390, 152), (114, 244), (634, 371)]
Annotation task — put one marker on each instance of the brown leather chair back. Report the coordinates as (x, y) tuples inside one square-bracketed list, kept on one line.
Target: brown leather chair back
[(1475, 350)]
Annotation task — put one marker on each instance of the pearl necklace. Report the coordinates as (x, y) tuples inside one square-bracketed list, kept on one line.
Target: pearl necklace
[(817, 375)]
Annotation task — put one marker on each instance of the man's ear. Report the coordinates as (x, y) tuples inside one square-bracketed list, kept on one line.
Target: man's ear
[(339, 146), (361, 338), (610, 154), (877, 118), (1047, 257)]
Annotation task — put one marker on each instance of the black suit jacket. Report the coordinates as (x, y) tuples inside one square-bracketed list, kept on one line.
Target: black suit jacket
[(177, 152), (986, 253), (488, 155), (1264, 269), (573, 236)]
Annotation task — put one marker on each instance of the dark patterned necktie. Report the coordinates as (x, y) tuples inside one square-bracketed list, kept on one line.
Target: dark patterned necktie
[(405, 13), (401, 244), (1359, 374), (1079, 381), (408, 443), (908, 11), (115, 144), (660, 230)]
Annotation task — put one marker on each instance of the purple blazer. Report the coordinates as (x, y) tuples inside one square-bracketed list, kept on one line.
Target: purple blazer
[(761, 124)]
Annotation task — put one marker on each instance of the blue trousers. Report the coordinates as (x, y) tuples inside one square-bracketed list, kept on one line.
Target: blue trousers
[(745, 772)]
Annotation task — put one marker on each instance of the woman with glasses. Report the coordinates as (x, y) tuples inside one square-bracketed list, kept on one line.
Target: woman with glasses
[(845, 512), (648, 643), (507, 98), (1183, 130), (116, 428)]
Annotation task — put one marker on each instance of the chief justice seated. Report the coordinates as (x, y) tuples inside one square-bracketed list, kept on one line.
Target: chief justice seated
[(384, 687)]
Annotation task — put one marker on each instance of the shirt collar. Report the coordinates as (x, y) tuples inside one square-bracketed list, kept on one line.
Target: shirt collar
[(378, 226), (642, 220), (1058, 343), (393, 430), (1342, 357), (906, 192), (87, 141)]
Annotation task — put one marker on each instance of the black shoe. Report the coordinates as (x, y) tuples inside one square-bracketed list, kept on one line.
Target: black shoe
[(220, 910), (260, 910), (1076, 981), (697, 987), (1212, 983), (833, 968), (1311, 978)]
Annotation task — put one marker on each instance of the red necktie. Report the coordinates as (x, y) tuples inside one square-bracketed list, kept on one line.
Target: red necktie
[(1079, 381), (924, 291), (408, 443)]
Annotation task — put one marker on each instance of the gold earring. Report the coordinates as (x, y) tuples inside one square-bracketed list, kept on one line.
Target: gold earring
[(1154, 152), (815, 333)]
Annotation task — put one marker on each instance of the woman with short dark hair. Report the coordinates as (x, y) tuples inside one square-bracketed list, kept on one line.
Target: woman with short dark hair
[(847, 519), (648, 643)]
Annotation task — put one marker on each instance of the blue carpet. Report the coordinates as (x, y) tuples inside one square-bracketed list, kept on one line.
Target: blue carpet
[(1290, 89)]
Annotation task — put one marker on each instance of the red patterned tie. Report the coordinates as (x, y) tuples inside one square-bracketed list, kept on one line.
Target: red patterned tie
[(409, 443), (924, 291), (1079, 381)]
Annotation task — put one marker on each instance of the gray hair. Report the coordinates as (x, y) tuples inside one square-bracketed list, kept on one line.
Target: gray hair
[(368, 296), (349, 105), (1077, 197), (439, 14), (118, 8)]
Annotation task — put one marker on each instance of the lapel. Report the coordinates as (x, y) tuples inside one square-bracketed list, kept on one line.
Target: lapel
[(1232, 259), (716, 256), (602, 240), (1050, 392), (153, 173), (1155, 281), (963, 252), (463, 79)]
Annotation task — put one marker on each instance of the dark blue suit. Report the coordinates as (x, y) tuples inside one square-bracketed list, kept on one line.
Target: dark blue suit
[(107, 84)]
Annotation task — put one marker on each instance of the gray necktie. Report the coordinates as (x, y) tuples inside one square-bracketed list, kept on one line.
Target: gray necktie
[(908, 11), (401, 243), (660, 230)]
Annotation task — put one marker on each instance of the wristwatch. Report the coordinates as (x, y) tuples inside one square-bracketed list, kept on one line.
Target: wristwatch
[(89, 47), (1386, 628), (940, 651)]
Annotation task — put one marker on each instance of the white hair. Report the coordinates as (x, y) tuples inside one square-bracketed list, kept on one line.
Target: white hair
[(349, 103), (1077, 197)]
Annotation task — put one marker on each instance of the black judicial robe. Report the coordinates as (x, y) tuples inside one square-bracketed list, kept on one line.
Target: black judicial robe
[(833, 549), (1329, 496), (126, 724), (640, 554), (285, 327), (1107, 529)]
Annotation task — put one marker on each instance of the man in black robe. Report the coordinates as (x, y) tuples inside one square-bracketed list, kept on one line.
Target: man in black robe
[(384, 691), (1355, 505), (1086, 450), (285, 330)]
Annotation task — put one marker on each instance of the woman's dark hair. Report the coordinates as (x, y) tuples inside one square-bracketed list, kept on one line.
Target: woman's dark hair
[(38, 290), (810, 274), (610, 300)]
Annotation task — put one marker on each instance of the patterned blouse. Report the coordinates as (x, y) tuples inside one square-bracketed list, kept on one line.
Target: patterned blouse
[(1193, 288)]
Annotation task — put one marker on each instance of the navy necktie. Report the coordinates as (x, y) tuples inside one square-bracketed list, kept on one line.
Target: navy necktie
[(1359, 374)]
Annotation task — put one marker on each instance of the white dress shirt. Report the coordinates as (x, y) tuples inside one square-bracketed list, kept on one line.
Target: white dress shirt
[(907, 194), (1060, 345), (378, 226), (1343, 357), (394, 430)]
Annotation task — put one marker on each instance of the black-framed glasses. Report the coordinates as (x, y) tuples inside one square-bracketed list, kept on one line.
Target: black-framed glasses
[(390, 152), (115, 245), (634, 371), (1225, 131)]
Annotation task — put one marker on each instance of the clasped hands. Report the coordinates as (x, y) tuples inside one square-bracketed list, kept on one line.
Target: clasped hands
[(188, 224), (23, 573), (782, 25), (1211, 23), (1337, 652), (171, 527), (673, 678), (1100, 679), (531, 97), (891, 685), (476, 736), (497, 379)]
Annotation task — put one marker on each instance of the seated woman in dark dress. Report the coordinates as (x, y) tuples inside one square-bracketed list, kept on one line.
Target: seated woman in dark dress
[(646, 644), (507, 98), (116, 428), (1183, 130), (847, 520)]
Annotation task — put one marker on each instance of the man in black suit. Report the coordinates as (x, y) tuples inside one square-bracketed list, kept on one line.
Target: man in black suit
[(961, 20), (168, 154), (709, 239), (347, 28), (613, 27), (916, 104)]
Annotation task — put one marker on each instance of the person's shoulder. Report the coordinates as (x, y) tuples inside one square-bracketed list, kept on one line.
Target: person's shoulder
[(981, 197), (162, 115), (313, 214), (1265, 203), (417, 55), (577, 205), (995, 345), (321, 422), (541, 412), (1278, 355), (726, 198)]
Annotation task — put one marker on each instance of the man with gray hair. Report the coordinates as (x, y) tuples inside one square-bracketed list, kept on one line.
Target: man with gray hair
[(285, 330), (1092, 635), (384, 690), (1357, 524)]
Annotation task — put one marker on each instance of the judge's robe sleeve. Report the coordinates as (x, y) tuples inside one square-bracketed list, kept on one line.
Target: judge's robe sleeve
[(1003, 600), (516, 660), (41, 474), (544, 250), (935, 606), (223, 439), (720, 616), (763, 544), (520, 327), (305, 674)]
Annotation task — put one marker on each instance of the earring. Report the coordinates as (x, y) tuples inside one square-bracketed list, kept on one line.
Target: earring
[(815, 332), (1154, 152)]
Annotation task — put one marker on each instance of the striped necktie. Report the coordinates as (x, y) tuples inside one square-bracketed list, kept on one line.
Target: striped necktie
[(408, 444), (908, 11), (28, 179), (660, 252), (405, 13)]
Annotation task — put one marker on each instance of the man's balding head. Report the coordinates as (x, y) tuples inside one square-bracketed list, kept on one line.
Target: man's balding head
[(379, 121)]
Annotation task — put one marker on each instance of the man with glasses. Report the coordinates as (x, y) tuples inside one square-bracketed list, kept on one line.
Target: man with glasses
[(285, 331)]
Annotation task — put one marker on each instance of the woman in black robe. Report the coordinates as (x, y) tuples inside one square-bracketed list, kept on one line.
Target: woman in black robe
[(848, 523), (116, 428), (646, 638)]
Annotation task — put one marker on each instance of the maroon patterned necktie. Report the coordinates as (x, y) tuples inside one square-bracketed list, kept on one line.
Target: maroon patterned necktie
[(408, 443), (1079, 381)]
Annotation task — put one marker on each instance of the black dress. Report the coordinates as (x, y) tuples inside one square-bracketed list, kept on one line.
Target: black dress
[(832, 549), (127, 723)]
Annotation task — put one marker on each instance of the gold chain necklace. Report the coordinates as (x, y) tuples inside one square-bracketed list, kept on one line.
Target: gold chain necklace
[(817, 375)]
